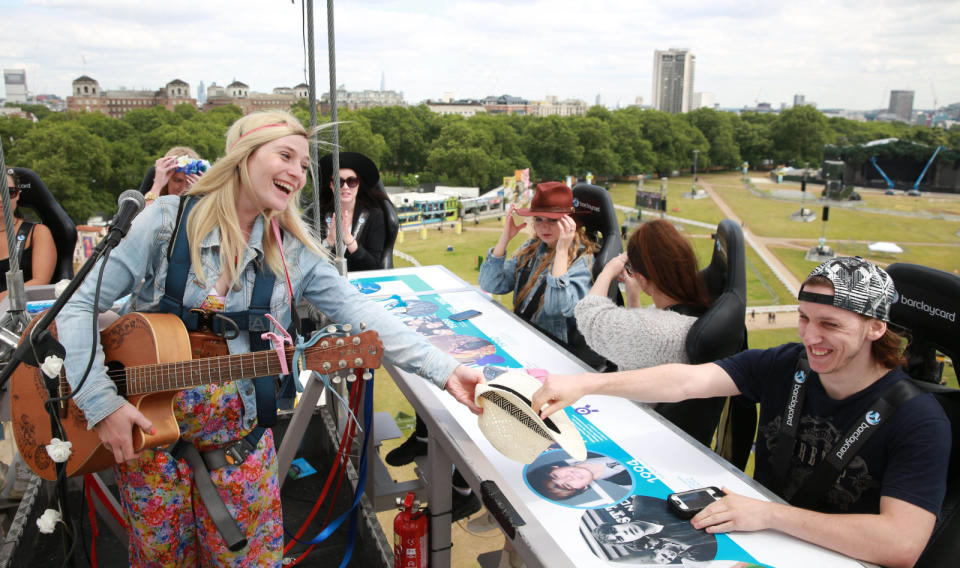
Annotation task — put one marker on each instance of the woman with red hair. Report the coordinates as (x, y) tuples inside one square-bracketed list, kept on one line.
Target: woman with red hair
[(659, 262)]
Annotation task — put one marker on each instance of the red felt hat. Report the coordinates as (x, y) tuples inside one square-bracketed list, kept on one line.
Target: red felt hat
[(553, 199)]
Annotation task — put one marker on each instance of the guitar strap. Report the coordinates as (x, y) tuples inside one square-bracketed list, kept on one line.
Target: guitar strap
[(253, 320)]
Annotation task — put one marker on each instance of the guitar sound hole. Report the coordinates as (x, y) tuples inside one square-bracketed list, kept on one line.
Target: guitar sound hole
[(115, 370)]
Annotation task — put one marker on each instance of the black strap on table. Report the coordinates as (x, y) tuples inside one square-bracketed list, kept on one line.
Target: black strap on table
[(826, 472)]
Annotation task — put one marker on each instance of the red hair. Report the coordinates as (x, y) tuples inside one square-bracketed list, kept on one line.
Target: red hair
[(663, 256)]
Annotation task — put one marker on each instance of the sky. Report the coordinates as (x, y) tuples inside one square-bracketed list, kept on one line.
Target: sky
[(839, 54)]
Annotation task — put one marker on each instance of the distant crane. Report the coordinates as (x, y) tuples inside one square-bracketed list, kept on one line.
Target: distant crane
[(873, 160), (916, 184)]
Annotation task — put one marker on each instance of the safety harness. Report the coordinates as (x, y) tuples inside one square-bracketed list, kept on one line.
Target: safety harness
[(826, 473), (254, 321)]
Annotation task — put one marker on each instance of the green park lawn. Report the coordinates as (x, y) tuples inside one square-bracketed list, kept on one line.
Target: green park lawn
[(771, 218)]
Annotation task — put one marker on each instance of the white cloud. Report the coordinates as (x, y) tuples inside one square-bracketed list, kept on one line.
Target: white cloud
[(839, 54)]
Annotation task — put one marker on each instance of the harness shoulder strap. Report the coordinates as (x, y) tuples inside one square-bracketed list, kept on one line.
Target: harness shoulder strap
[(847, 447)]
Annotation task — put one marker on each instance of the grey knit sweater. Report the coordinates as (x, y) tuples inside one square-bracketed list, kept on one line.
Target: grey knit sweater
[(633, 338)]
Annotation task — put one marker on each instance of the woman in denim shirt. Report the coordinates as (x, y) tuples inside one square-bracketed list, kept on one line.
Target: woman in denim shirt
[(230, 233), (552, 271)]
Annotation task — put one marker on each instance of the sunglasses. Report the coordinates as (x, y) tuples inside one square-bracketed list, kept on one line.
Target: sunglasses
[(352, 182)]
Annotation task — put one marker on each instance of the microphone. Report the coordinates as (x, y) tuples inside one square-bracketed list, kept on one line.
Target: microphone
[(131, 203)]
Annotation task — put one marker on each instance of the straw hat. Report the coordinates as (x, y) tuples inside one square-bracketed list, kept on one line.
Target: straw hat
[(514, 428)]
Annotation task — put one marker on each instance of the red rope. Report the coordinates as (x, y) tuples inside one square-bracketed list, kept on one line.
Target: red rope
[(92, 513), (346, 442)]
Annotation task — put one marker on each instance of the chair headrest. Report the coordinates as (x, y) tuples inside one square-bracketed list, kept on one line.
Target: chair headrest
[(595, 210), (727, 268), (35, 195), (926, 304), (720, 331), (147, 182)]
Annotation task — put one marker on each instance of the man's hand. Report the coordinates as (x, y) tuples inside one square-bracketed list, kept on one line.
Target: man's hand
[(462, 385), (734, 512), (116, 431), (559, 391)]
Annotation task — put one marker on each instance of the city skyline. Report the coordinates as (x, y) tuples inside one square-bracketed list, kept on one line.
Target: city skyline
[(850, 56)]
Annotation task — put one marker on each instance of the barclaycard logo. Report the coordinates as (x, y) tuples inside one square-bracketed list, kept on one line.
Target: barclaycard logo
[(799, 377), (922, 306), (580, 204), (873, 417)]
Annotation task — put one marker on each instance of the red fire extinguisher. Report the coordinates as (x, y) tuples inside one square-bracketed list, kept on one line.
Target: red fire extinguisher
[(410, 534)]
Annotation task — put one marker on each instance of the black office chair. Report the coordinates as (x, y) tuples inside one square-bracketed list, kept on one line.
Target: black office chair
[(718, 333), (926, 298), (391, 228), (147, 182), (35, 195), (596, 214)]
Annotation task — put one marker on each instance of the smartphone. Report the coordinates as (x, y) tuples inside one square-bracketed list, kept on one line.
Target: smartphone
[(467, 314), (688, 503)]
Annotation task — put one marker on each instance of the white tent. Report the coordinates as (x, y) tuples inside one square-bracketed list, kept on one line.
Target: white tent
[(883, 246)]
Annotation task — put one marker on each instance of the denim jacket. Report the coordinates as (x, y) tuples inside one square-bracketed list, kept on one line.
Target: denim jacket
[(500, 275), (139, 265)]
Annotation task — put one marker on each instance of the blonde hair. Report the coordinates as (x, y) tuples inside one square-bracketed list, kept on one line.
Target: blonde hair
[(223, 184), (580, 246), (176, 152), (182, 151)]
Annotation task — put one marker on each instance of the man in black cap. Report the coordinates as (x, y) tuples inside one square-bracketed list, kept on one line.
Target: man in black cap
[(863, 476)]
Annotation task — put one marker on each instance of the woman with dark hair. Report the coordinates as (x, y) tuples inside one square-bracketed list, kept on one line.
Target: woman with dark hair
[(34, 244), (660, 263), (364, 228)]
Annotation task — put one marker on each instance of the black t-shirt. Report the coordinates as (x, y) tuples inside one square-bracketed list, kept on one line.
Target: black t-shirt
[(906, 458)]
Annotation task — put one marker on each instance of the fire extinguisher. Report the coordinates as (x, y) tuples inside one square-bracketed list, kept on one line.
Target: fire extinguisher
[(410, 534)]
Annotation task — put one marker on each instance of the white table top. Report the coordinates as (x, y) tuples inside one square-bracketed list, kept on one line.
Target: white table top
[(659, 458)]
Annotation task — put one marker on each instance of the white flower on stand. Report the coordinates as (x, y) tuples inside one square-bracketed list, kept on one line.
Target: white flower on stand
[(59, 450), (48, 521), (51, 366)]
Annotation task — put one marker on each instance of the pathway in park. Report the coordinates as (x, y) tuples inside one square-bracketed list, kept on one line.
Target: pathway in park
[(778, 268)]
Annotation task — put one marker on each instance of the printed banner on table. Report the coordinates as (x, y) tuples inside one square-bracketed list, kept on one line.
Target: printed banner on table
[(610, 509)]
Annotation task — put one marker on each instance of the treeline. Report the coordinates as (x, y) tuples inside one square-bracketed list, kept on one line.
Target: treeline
[(88, 159)]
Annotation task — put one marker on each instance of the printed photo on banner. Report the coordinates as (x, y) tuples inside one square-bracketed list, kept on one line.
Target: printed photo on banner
[(595, 482), (642, 531)]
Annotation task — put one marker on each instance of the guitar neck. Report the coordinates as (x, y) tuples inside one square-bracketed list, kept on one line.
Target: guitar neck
[(160, 377)]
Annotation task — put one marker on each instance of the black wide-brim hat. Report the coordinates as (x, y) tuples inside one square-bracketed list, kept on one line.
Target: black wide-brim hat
[(355, 161)]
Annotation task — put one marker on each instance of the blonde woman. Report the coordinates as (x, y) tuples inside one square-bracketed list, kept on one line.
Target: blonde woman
[(166, 179), (551, 272), (230, 213)]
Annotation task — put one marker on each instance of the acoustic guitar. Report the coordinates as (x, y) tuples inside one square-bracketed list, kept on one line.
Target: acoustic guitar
[(151, 357)]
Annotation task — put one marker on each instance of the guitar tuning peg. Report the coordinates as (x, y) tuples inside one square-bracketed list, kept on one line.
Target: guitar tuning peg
[(351, 377), (324, 344), (340, 342), (331, 329), (358, 362), (367, 375), (363, 326), (355, 340), (347, 327), (335, 379), (326, 366)]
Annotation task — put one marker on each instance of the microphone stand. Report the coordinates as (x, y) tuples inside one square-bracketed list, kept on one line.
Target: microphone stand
[(16, 296)]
